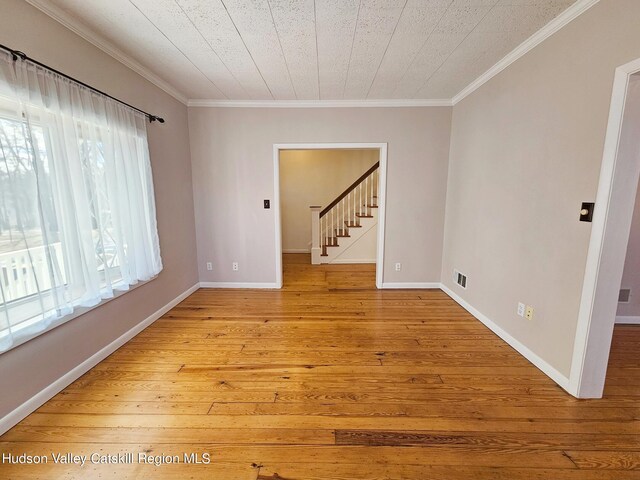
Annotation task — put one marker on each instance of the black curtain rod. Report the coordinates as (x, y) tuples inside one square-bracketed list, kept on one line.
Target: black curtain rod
[(17, 54)]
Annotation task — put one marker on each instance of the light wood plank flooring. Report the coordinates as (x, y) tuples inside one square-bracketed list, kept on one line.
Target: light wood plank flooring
[(331, 379)]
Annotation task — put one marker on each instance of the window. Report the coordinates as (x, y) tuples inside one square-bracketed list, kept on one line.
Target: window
[(77, 211)]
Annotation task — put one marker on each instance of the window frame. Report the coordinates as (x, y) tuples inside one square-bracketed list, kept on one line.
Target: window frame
[(78, 309)]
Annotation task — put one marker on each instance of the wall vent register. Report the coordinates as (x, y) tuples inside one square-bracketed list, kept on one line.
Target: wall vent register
[(624, 295), (460, 278)]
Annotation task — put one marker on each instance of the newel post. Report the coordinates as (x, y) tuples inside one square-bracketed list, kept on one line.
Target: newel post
[(315, 235)]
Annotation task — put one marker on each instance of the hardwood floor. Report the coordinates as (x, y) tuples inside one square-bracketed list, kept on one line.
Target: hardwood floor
[(331, 379)]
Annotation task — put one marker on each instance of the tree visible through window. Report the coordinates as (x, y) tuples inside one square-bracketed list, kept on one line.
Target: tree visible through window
[(21, 235), (77, 208)]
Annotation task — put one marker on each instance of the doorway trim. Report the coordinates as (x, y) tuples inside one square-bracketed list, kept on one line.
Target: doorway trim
[(382, 194), (607, 248)]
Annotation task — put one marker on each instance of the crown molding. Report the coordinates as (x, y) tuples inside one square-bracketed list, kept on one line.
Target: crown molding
[(533, 41), (320, 103), (571, 13), (75, 26)]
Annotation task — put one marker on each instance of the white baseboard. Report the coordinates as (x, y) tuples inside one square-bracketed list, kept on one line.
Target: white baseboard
[(237, 285), (345, 261), (15, 416), (35, 402), (628, 320), (411, 285), (547, 369), (296, 250)]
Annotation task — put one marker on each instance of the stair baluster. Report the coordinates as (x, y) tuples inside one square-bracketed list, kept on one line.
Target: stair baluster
[(324, 242), (355, 205), (346, 211), (367, 202), (333, 226)]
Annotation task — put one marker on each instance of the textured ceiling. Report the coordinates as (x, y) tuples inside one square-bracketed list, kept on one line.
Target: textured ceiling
[(315, 50)]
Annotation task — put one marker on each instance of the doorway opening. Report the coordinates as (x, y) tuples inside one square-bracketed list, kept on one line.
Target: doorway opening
[(612, 220), (329, 204)]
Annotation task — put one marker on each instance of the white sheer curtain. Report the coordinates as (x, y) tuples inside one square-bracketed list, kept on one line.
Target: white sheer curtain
[(77, 211)]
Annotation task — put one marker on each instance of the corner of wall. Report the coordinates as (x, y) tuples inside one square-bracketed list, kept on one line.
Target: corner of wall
[(537, 361), (33, 403)]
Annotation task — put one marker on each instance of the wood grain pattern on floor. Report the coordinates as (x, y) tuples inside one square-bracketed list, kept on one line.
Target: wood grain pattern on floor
[(331, 379)]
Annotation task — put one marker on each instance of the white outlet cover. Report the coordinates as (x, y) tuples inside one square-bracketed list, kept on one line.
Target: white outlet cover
[(209, 266), (235, 266), (398, 267), (521, 308)]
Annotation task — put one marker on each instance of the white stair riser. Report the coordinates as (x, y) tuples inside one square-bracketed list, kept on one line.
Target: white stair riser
[(355, 234)]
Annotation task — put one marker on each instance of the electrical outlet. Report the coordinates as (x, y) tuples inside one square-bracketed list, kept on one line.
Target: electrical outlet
[(398, 267), (528, 314), (521, 308), (234, 266), (209, 266)]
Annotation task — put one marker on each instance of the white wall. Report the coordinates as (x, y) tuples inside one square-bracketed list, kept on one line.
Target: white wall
[(314, 177), (34, 365), (232, 161), (526, 150), (631, 274)]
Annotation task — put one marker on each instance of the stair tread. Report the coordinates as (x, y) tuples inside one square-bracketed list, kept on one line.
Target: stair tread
[(363, 216), (372, 206)]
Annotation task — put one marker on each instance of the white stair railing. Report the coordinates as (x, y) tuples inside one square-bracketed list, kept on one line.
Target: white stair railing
[(328, 224)]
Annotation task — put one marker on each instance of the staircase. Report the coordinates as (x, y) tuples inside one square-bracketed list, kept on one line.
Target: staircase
[(349, 219)]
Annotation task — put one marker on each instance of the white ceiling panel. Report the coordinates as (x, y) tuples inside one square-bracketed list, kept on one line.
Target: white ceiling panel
[(335, 27), (255, 24), (296, 26), (525, 19), (170, 19), (119, 22), (463, 18), (535, 3), (458, 19), (312, 49), (214, 24), (494, 38), (377, 20), (433, 54), (461, 63), (475, 3), (417, 23)]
